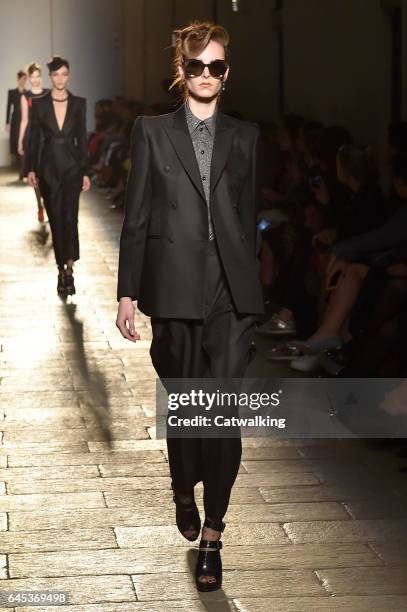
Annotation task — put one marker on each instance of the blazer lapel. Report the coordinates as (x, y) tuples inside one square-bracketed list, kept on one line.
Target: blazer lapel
[(182, 143), (222, 145), (69, 113)]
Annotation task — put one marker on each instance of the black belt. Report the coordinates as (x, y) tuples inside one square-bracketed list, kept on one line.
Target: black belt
[(55, 141)]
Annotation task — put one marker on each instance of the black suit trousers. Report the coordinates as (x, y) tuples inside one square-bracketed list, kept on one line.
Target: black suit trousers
[(217, 346), (61, 200)]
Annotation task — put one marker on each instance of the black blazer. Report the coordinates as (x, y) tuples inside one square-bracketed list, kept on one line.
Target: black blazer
[(51, 151), (164, 237)]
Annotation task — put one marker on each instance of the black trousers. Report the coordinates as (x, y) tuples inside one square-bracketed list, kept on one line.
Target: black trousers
[(217, 346), (61, 200)]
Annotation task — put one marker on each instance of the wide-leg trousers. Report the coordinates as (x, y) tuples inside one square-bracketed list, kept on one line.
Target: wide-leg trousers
[(218, 346), (61, 201)]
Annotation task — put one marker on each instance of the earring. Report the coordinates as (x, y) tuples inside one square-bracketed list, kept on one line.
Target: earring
[(223, 86)]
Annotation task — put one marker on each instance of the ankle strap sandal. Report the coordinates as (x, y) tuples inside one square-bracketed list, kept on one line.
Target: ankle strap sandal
[(187, 515), (209, 561), (61, 283), (69, 282)]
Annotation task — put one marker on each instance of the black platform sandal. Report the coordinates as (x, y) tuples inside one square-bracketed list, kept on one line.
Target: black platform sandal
[(61, 283), (209, 562), (186, 515), (69, 282)]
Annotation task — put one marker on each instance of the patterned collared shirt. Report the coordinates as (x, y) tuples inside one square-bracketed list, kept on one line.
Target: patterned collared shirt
[(202, 134)]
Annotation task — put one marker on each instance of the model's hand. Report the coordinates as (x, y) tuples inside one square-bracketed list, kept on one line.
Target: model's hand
[(20, 149), (86, 183), (7, 127), (32, 179), (125, 319)]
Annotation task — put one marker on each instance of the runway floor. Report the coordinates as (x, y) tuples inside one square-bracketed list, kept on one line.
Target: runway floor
[(85, 499)]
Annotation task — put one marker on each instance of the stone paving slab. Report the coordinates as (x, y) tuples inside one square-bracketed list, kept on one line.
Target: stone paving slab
[(84, 518), (281, 512), (66, 485), (51, 501), (63, 540), (391, 553), (349, 531), (115, 458), (3, 563), (69, 472), (296, 465), (126, 445), (46, 447), (323, 492), (363, 581), (35, 399), (42, 420), (16, 438), (271, 479), (376, 509)]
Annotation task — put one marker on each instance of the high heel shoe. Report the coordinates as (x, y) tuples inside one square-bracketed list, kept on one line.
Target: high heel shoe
[(61, 283), (209, 561), (69, 282), (186, 515)]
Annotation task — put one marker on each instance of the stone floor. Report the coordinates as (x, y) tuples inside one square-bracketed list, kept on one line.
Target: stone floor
[(85, 502)]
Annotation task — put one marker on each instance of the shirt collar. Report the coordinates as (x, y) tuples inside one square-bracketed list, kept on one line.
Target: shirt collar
[(193, 121)]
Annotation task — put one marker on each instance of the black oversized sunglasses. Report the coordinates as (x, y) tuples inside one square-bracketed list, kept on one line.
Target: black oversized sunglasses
[(195, 67)]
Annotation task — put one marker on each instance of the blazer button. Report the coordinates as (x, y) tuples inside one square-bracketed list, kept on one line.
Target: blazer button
[(234, 205), (170, 239), (243, 236), (174, 205), (167, 168)]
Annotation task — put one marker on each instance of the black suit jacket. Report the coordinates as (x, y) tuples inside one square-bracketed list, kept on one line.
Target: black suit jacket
[(164, 238), (53, 152)]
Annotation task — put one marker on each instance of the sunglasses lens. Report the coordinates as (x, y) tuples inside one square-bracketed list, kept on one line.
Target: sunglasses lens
[(218, 68), (193, 67)]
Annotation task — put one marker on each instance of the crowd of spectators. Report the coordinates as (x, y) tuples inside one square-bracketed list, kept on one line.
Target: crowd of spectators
[(332, 243), (334, 251)]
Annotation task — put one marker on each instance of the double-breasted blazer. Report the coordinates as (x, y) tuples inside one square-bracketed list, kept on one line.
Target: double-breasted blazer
[(164, 238), (53, 152)]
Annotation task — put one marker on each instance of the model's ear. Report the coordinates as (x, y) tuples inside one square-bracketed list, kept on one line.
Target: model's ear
[(181, 71), (225, 76)]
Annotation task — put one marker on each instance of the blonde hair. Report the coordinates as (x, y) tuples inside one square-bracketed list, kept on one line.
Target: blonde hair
[(192, 40), (31, 68)]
